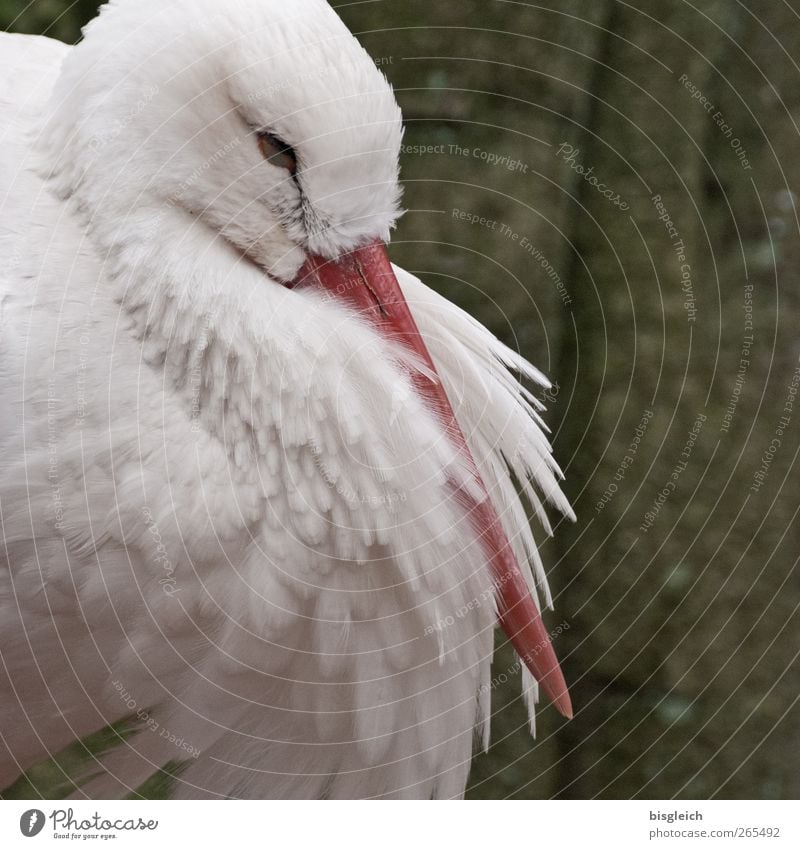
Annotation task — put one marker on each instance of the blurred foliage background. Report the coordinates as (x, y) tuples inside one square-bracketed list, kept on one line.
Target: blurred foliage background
[(635, 168)]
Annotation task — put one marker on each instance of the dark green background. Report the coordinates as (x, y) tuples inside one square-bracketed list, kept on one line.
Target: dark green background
[(682, 641)]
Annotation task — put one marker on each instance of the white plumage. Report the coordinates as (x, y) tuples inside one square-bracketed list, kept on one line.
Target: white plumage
[(226, 509)]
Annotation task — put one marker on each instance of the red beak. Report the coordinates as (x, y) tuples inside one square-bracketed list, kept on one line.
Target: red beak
[(365, 281)]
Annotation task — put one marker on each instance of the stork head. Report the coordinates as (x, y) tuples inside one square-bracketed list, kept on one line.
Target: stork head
[(263, 118)]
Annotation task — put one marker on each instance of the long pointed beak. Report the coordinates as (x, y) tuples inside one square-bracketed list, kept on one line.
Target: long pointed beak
[(365, 281)]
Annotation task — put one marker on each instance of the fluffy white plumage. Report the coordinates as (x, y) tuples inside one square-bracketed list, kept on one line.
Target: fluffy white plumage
[(224, 506)]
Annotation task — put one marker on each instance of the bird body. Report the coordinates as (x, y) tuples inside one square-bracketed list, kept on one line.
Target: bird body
[(230, 515)]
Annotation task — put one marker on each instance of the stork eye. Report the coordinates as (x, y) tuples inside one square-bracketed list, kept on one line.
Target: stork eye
[(277, 152)]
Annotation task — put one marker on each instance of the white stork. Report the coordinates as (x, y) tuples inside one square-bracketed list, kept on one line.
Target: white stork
[(260, 488)]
